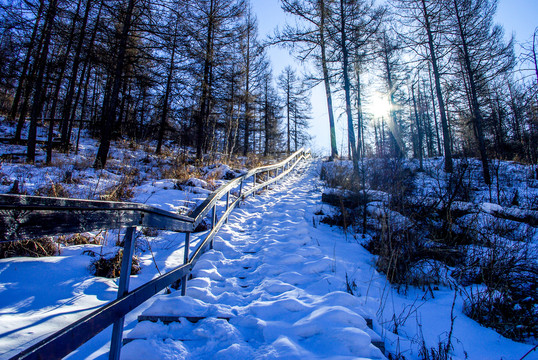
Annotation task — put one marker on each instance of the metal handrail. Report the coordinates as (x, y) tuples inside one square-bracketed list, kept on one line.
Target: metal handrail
[(23, 216)]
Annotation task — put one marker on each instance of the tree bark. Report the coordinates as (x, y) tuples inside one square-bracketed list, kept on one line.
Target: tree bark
[(24, 72), (326, 80), (477, 114), (444, 122), (110, 106), (347, 88), (39, 94)]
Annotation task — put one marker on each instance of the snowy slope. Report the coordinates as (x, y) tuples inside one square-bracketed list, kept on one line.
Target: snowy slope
[(280, 278), (280, 290), (273, 287)]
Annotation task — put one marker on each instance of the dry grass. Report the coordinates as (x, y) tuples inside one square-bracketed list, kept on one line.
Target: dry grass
[(80, 239), (40, 247), (52, 190), (181, 172), (111, 267), (123, 191)]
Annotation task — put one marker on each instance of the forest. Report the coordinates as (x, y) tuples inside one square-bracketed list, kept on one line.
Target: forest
[(197, 74), (192, 72), (431, 176)]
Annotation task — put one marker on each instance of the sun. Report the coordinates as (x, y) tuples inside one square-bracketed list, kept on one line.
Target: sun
[(379, 106)]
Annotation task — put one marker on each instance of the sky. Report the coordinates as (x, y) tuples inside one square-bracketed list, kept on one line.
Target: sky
[(518, 17)]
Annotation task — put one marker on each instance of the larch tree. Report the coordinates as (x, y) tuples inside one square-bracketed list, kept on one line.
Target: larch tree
[(288, 84), (425, 22), (311, 39), (483, 54)]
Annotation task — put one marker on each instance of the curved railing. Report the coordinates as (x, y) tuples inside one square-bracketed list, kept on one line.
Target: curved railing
[(27, 217)]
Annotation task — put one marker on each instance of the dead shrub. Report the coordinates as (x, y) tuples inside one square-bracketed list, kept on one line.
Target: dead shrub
[(508, 301), (18, 188), (407, 257), (513, 318), (339, 175), (150, 232), (344, 218), (204, 225), (5, 180), (394, 177), (397, 252), (80, 239), (40, 247), (121, 192), (52, 190), (181, 172), (110, 267), (83, 163)]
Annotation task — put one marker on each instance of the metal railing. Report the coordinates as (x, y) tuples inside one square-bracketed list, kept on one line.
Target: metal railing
[(27, 217)]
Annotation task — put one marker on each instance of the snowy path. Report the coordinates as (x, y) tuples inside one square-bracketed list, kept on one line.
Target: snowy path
[(267, 290)]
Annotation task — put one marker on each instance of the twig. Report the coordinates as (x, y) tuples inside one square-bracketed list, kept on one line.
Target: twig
[(528, 352)]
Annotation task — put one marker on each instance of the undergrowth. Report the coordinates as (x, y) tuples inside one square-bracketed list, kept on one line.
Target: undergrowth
[(110, 266), (441, 238), (40, 247)]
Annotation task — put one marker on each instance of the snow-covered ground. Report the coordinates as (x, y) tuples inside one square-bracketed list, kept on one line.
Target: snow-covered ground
[(277, 285)]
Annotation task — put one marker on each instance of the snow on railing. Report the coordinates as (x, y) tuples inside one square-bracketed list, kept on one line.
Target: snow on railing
[(26, 217)]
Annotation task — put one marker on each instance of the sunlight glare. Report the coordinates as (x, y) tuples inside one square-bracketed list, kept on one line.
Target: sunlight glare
[(379, 106)]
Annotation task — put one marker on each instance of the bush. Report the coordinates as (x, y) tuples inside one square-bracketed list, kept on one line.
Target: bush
[(397, 252), (80, 239), (508, 300), (110, 267), (52, 190), (121, 192), (41, 247)]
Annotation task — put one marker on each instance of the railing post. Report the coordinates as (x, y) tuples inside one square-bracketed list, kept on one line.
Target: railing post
[(123, 289), (227, 205), (185, 260), (213, 223)]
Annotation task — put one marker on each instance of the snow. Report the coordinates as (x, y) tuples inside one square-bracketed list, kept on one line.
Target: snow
[(281, 282), (273, 287)]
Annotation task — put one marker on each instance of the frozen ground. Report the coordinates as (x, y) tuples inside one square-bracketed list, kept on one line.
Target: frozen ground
[(275, 286)]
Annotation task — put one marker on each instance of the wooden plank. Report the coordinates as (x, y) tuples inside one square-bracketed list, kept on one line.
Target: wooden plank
[(27, 217), (20, 224)]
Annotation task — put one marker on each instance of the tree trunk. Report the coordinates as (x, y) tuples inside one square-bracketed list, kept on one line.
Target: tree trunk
[(360, 138), (39, 94), (477, 114), (288, 112), (394, 128), (437, 136), (347, 88), (444, 122), (164, 115), (419, 128), (110, 106), (326, 80), (201, 120), (66, 112), (24, 72)]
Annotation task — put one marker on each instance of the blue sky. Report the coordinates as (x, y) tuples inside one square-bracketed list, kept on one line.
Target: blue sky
[(518, 17)]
